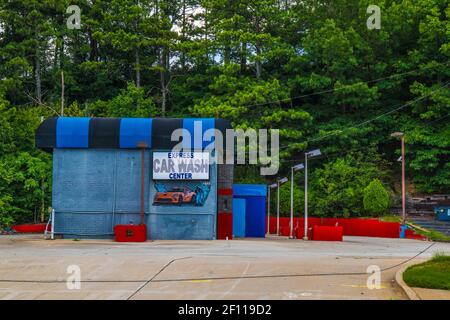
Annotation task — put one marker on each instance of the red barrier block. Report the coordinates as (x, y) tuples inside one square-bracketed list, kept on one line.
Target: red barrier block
[(410, 234), (224, 226), (285, 231), (31, 228), (327, 233), (130, 233), (371, 227), (367, 227), (301, 232), (273, 225), (390, 229), (285, 226), (351, 226), (331, 222)]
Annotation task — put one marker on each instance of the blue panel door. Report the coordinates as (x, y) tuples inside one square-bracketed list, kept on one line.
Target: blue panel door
[(255, 224), (239, 217)]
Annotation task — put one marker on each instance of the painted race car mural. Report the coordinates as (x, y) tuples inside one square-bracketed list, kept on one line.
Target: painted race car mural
[(181, 195), (175, 195)]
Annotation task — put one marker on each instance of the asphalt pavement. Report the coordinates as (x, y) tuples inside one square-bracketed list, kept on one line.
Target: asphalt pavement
[(275, 268)]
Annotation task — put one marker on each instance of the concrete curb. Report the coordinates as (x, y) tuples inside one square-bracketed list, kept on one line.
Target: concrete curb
[(412, 295)]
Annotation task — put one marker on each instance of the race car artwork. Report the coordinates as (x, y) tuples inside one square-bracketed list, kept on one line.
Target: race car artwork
[(181, 195), (176, 195)]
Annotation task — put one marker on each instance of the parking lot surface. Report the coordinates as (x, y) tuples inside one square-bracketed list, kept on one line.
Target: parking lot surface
[(274, 268)]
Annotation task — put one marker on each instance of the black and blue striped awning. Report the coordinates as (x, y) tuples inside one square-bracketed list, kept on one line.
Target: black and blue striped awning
[(83, 132)]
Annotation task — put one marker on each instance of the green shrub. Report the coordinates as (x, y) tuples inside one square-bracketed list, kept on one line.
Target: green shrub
[(376, 198), (337, 189)]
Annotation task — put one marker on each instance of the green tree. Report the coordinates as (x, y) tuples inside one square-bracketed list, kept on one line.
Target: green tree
[(376, 198), (131, 102), (337, 189)]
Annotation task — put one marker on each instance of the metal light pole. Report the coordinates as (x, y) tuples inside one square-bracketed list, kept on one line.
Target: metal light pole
[(272, 186), (268, 210), (292, 203), (403, 182), (53, 225), (142, 145), (294, 168), (401, 135), (310, 154), (279, 183), (278, 208), (305, 223)]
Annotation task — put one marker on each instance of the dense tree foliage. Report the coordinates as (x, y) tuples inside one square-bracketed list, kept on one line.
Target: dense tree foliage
[(310, 68)]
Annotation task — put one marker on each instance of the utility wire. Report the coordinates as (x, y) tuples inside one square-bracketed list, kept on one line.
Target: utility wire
[(362, 148), (154, 276), (436, 120), (374, 118), (344, 87)]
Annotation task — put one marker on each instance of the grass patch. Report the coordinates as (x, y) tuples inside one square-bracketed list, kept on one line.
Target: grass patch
[(432, 235), (390, 218), (432, 274)]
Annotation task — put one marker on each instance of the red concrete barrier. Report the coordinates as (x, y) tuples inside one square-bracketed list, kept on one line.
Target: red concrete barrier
[(273, 224), (285, 225), (31, 228), (410, 234), (327, 233), (130, 233), (301, 232), (371, 227)]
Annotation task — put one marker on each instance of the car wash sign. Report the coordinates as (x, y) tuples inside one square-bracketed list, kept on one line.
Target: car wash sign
[(180, 165)]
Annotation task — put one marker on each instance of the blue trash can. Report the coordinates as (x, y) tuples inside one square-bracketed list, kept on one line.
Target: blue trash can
[(442, 213)]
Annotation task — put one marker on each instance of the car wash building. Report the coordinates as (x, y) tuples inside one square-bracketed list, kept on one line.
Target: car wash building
[(102, 165)]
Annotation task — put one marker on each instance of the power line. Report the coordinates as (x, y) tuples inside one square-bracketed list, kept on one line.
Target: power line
[(375, 118), (334, 155), (344, 87), (154, 276), (438, 119)]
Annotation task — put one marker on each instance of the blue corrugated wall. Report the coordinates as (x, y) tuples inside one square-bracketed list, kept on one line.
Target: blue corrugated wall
[(95, 189)]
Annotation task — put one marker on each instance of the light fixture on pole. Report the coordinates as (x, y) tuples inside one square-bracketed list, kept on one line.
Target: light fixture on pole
[(271, 186), (401, 135), (297, 167), (279, 183), (309, 154)]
